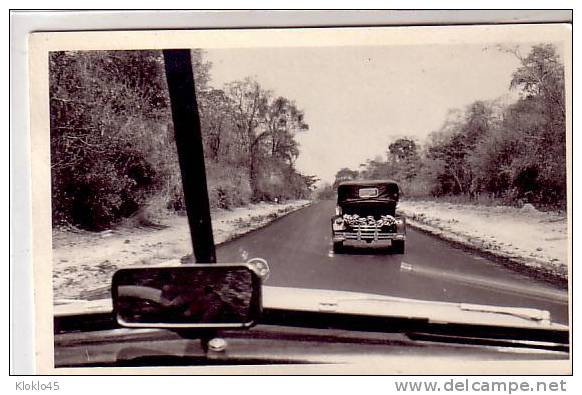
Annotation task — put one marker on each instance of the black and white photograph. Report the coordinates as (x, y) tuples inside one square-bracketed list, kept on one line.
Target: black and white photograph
[(380, 200)]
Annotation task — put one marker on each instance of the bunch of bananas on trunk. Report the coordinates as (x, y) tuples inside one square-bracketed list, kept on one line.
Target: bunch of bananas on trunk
[(356, 220)]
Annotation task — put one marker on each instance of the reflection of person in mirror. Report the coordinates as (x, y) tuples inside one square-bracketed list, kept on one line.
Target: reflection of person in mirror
[(202, 304)]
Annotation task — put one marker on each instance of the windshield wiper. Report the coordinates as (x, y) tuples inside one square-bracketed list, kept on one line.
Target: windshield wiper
[(519, 312), (525, 313)]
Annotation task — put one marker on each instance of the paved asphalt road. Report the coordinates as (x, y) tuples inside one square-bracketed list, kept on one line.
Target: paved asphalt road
[(298, 249)]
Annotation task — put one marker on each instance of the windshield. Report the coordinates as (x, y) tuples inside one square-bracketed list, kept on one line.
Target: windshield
[(474, 144)]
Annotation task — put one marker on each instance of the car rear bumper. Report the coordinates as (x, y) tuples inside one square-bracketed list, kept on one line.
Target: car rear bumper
[(366, 236)]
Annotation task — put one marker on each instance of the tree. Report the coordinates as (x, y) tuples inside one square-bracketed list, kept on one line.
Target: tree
[(345, 174), (282, 121), (404, 157), (453, 146), (250, 105), (267, 128), (402, 149), (275, 150), (201, 68), (216, 119), (541, 74), (540, 173)]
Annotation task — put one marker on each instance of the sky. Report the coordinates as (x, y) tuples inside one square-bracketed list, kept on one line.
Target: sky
[(358, 99)]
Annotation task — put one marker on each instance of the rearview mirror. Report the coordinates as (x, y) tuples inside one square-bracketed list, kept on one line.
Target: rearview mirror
[(187, 296)]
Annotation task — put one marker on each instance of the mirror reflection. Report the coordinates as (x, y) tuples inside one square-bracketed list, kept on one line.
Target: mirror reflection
[(184, 295)]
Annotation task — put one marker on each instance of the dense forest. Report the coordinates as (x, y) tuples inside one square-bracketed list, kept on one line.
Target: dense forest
[(113, 153), (508, 153)]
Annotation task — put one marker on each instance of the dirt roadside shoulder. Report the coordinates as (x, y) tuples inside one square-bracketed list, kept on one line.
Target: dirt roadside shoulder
[(526, 240), (83, 262)]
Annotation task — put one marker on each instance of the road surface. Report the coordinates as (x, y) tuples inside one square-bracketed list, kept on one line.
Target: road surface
[(298, 249)]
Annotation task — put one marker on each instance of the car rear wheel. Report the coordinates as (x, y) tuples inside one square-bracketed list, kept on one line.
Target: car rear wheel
[(338, 247), (398, 246)]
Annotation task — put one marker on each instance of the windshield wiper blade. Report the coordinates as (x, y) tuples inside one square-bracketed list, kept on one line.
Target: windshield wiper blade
[(520, 312), (525, 313)]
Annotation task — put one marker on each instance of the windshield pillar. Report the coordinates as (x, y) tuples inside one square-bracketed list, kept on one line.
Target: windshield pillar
[(178, 65)]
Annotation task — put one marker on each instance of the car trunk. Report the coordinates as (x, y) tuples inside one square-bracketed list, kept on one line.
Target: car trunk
[(374, 208)]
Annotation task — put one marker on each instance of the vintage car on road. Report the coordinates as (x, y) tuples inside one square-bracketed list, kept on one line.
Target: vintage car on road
[(366, 211)]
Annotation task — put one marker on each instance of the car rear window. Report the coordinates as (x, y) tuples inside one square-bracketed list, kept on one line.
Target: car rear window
[(368, 192)]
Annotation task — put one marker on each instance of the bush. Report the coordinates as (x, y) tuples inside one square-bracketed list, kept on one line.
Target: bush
[(102, 189), (228, 187), (415, 188), (109, 136)]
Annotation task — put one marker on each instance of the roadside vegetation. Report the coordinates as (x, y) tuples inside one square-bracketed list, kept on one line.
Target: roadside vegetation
[(113, 153), (491, 152)]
